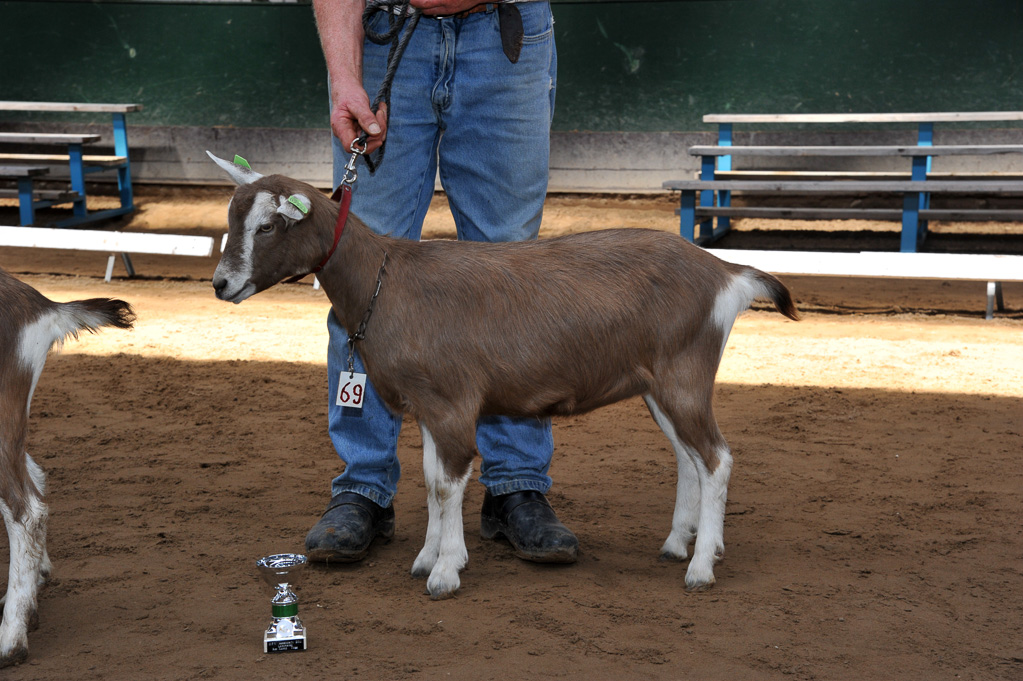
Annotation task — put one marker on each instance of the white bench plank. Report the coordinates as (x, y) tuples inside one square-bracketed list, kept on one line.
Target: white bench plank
[(23, 171), (69, 106), (87, 159), (782, 175), (908, 117), (852, 186), (48, 138), (113, 242), (965, 266), (859, 150)]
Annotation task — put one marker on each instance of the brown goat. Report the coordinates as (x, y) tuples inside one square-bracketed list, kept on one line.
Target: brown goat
[(30, 324), (549, 327)]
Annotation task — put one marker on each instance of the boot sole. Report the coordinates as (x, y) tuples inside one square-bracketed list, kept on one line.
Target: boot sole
[(491, 528), (384, 532)]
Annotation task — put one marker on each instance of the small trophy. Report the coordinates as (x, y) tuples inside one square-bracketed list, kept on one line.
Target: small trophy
[(286, 632)]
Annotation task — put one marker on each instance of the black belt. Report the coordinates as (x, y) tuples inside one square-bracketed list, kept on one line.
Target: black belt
[(485, 7), (510, 19)]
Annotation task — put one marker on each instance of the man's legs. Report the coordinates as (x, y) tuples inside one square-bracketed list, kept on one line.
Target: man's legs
[(392, 201), (495, 170), (494, 158)]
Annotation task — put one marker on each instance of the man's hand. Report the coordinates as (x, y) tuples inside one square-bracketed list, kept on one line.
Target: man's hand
[(444, 7), (351, 115)]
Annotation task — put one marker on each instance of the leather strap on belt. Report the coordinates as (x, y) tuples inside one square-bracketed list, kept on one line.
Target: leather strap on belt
[(485, 7)]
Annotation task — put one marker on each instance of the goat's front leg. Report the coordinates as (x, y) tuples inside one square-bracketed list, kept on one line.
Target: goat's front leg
[(444, 553), (427, 558)]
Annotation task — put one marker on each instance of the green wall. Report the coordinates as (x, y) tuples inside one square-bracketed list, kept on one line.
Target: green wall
[(624, 66)]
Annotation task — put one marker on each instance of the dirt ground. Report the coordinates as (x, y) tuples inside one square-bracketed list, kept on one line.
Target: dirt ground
[(873, 528)]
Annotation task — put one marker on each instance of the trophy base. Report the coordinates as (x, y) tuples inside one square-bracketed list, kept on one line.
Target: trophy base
[(285, 635), (284, 645)]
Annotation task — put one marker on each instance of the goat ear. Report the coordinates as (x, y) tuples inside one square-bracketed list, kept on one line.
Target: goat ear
[(240, 174), (294, 207)]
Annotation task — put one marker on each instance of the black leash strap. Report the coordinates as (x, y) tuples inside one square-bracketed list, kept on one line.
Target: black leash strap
[(400, 15), (360, 333)]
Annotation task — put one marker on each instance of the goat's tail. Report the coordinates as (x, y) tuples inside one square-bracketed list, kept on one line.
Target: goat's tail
[(89, 315), (775, 291)]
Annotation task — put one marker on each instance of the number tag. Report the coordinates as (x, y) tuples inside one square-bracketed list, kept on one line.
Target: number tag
[(351, 389)]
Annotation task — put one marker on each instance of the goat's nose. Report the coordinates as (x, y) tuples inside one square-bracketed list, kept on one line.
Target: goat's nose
[(219, 284)]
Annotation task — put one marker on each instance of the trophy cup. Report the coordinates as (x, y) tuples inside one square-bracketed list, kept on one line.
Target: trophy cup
[(286, 632)]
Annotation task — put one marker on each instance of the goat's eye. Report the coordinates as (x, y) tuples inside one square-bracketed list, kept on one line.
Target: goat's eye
[(268, 227)]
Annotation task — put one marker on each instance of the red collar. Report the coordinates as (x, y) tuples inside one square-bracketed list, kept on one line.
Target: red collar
[(344, 191)]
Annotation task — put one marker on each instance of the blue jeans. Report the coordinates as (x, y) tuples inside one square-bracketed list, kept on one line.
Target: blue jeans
[(457, 105)]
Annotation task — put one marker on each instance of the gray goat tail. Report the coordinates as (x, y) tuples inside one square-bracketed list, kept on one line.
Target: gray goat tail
[(91, 314), (778, 293)]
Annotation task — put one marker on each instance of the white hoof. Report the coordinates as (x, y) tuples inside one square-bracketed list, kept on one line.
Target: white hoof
[(699, 578), (423, 565), (675, 548), (442, 584)]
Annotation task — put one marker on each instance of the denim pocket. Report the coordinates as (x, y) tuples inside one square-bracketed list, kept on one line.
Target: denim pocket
[(537, 21)]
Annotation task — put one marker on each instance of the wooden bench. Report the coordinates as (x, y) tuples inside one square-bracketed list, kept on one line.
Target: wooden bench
[(914, 214), (78, 163), (112, 242), (718, 178), (993, 269)]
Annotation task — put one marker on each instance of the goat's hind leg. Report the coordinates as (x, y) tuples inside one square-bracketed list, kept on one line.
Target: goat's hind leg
[(696, 431), (444, 553), (45, 566), (35, 471), (686, 517), (26, 536)]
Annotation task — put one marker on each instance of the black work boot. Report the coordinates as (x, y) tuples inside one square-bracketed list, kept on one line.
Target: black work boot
[(347, 528), (528, 522)]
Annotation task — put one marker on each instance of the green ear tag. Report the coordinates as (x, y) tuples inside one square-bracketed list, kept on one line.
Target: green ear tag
[(239, 161), (297, 202)]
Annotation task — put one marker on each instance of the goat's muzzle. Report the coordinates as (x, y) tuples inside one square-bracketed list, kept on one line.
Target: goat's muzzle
[(221, 285)]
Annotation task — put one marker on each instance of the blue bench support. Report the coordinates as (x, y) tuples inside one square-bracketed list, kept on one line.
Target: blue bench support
[(26, 208), (79, 169)]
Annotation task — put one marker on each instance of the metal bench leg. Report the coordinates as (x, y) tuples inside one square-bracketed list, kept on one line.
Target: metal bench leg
[(26, 202), (687, 216), (121, 149), (994, 298), (126, 259), (910, 223), (724, 221), (76, 165), (922, 166)]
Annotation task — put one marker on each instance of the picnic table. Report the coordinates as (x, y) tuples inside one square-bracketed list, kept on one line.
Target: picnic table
[(915, 184), (66, 150)]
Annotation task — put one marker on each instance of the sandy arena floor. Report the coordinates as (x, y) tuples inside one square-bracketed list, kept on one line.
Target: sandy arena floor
[(873, 527)]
